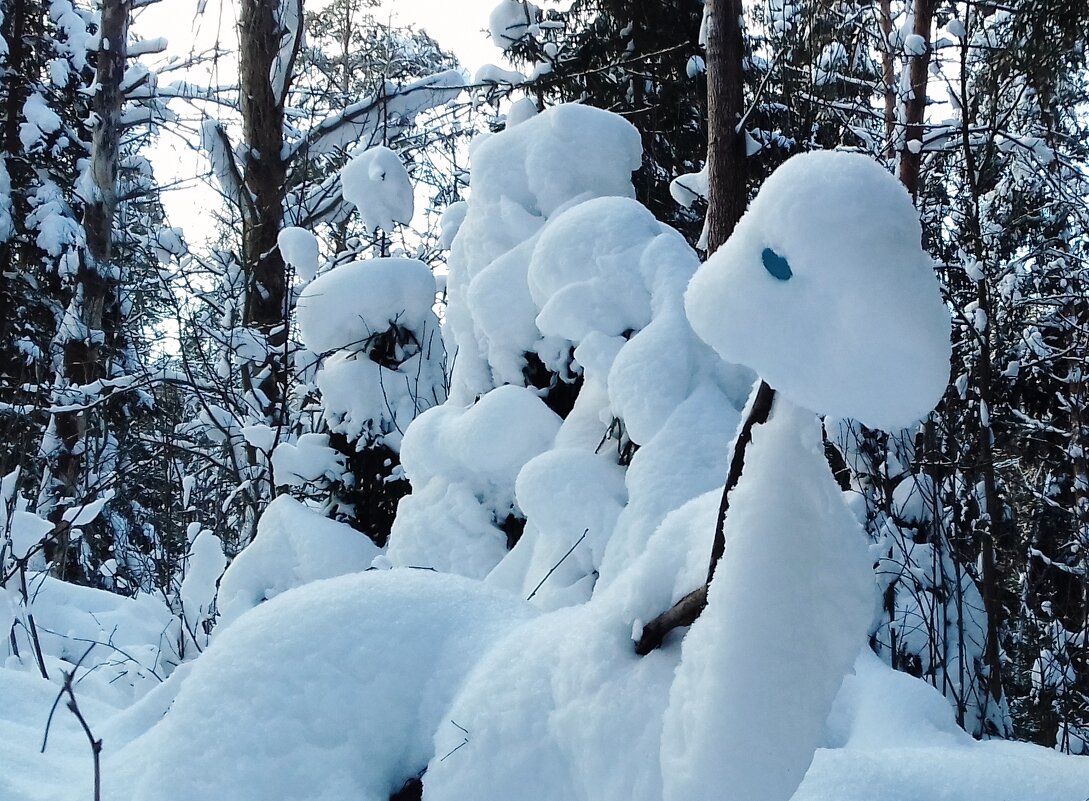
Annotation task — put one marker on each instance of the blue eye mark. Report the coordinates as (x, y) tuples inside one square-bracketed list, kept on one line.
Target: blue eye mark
[(776, 265)]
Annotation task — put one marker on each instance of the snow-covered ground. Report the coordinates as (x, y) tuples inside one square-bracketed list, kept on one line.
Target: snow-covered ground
[(289, 708)]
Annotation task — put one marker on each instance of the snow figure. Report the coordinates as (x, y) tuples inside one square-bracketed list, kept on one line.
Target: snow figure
[(824, 289)]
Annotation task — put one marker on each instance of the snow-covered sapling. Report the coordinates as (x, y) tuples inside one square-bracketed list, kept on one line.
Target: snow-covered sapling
[(382, 365), (824, 290)]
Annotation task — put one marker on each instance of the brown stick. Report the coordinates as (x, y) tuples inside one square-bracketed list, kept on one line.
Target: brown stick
[(758, 415), (686, 610), (682, 613)]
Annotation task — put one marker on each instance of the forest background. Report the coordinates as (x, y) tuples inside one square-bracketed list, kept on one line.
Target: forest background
[(155, 389)]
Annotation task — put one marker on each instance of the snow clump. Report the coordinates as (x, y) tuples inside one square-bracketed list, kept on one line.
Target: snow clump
[(463, 463), (377, 183), (294, 546), (511, 21), (299, 248), (345, 306)]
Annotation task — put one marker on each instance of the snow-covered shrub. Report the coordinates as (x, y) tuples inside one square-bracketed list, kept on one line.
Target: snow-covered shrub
[(383, 365), (563, 285)]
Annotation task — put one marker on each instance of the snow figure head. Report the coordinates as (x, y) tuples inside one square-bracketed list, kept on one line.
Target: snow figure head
[(824, 289)]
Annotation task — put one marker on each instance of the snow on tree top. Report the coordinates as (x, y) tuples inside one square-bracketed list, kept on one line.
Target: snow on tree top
[(347, 305), (557, 155), (299, 248), (520, 178), (824, 289), (511, 20), (377, 183)]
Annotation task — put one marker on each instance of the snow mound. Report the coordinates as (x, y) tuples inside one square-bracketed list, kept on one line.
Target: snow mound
[(824, 290), (560, 282), (351, 303), (354, 675), (462, 463), (547, 715), (893, 737), (294, 546), (128, 645), (377, 183), (203, 567), (450, 221), (562, 153), (487, 442)]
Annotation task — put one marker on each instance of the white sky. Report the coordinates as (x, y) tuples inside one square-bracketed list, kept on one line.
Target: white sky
[(457, 25)]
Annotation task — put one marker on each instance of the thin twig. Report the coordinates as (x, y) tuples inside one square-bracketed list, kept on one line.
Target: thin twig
[(570, 551), (464, 741), (73, 706)]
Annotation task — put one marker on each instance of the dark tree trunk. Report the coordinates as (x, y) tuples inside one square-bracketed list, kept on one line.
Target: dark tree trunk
[(915, 103), (97, 289), (726, 160), (265, 176), (15, 93)]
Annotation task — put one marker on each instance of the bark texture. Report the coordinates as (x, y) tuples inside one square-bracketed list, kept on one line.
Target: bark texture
[(265, 173), (915, 102)]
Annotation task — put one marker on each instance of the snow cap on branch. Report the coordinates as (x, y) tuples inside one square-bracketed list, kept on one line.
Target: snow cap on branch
[(345, 306), (377, 183)]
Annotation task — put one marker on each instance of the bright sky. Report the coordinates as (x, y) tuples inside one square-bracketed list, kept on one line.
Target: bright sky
[(457, 25)]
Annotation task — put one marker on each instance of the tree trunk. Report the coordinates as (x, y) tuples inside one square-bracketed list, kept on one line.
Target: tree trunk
[(265, 176), (98, 278), (915, 102), (726, 161)]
